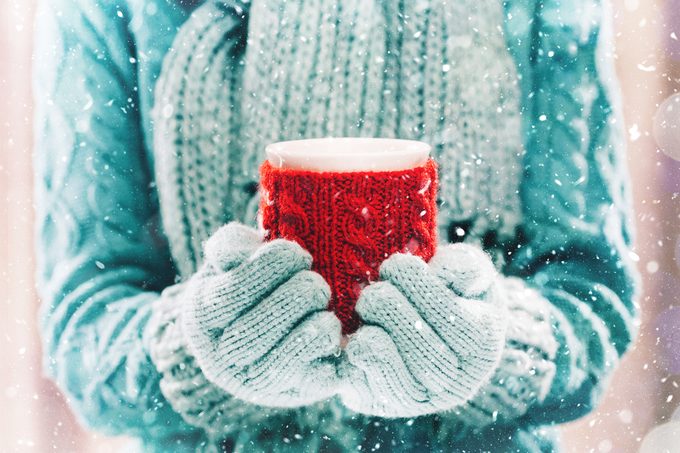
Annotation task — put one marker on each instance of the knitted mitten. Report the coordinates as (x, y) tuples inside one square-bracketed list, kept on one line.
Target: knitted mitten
[(251, 323), (436, 332), (199, 401), (527, 367)]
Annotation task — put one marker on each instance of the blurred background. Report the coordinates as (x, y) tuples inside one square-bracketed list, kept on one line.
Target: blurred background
[(641, 409)]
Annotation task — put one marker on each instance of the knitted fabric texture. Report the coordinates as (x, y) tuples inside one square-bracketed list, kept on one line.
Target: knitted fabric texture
[(351, 68), (258, 327), (126, 193), (432, 341), (350, 222), (526, 370), (250, 326), (198, 400), (431, 70)]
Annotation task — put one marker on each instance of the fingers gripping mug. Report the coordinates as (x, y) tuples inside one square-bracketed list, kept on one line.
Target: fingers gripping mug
[(351, 202)]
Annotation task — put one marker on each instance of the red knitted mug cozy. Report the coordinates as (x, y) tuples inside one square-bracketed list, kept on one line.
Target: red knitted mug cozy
[(351, 221)]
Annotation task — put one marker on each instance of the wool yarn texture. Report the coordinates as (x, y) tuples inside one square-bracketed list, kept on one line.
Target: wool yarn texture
[(353, 68), (151, 124), (351, 221)]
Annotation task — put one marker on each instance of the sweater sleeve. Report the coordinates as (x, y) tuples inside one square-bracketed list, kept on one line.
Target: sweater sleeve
[(101, 257), (577, 200), (569, 277)]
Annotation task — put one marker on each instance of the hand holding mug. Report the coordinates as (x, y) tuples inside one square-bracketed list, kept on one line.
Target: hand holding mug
[(257, 322), (435, 333)]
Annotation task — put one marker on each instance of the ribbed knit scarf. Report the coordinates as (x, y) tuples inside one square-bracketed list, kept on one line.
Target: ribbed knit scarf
[(242, 75)]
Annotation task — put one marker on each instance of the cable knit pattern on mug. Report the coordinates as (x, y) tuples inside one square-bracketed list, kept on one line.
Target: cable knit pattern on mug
[(379, 213)]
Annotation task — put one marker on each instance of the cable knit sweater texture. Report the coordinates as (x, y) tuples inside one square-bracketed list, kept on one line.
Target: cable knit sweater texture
[(151, 123)]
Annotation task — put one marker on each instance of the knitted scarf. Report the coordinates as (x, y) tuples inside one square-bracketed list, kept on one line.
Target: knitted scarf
[(242, 75)]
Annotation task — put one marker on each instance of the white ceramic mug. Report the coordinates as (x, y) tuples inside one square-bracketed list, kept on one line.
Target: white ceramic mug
[(346, 154)]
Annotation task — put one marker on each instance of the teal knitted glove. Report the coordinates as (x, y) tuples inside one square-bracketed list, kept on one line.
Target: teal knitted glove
[(434, 333), (259, 329)]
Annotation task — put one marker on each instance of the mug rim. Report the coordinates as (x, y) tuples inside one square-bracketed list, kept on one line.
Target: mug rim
[(348, 154)]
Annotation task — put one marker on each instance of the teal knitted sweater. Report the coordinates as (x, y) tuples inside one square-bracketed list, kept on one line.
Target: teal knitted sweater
[(527, 132)]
